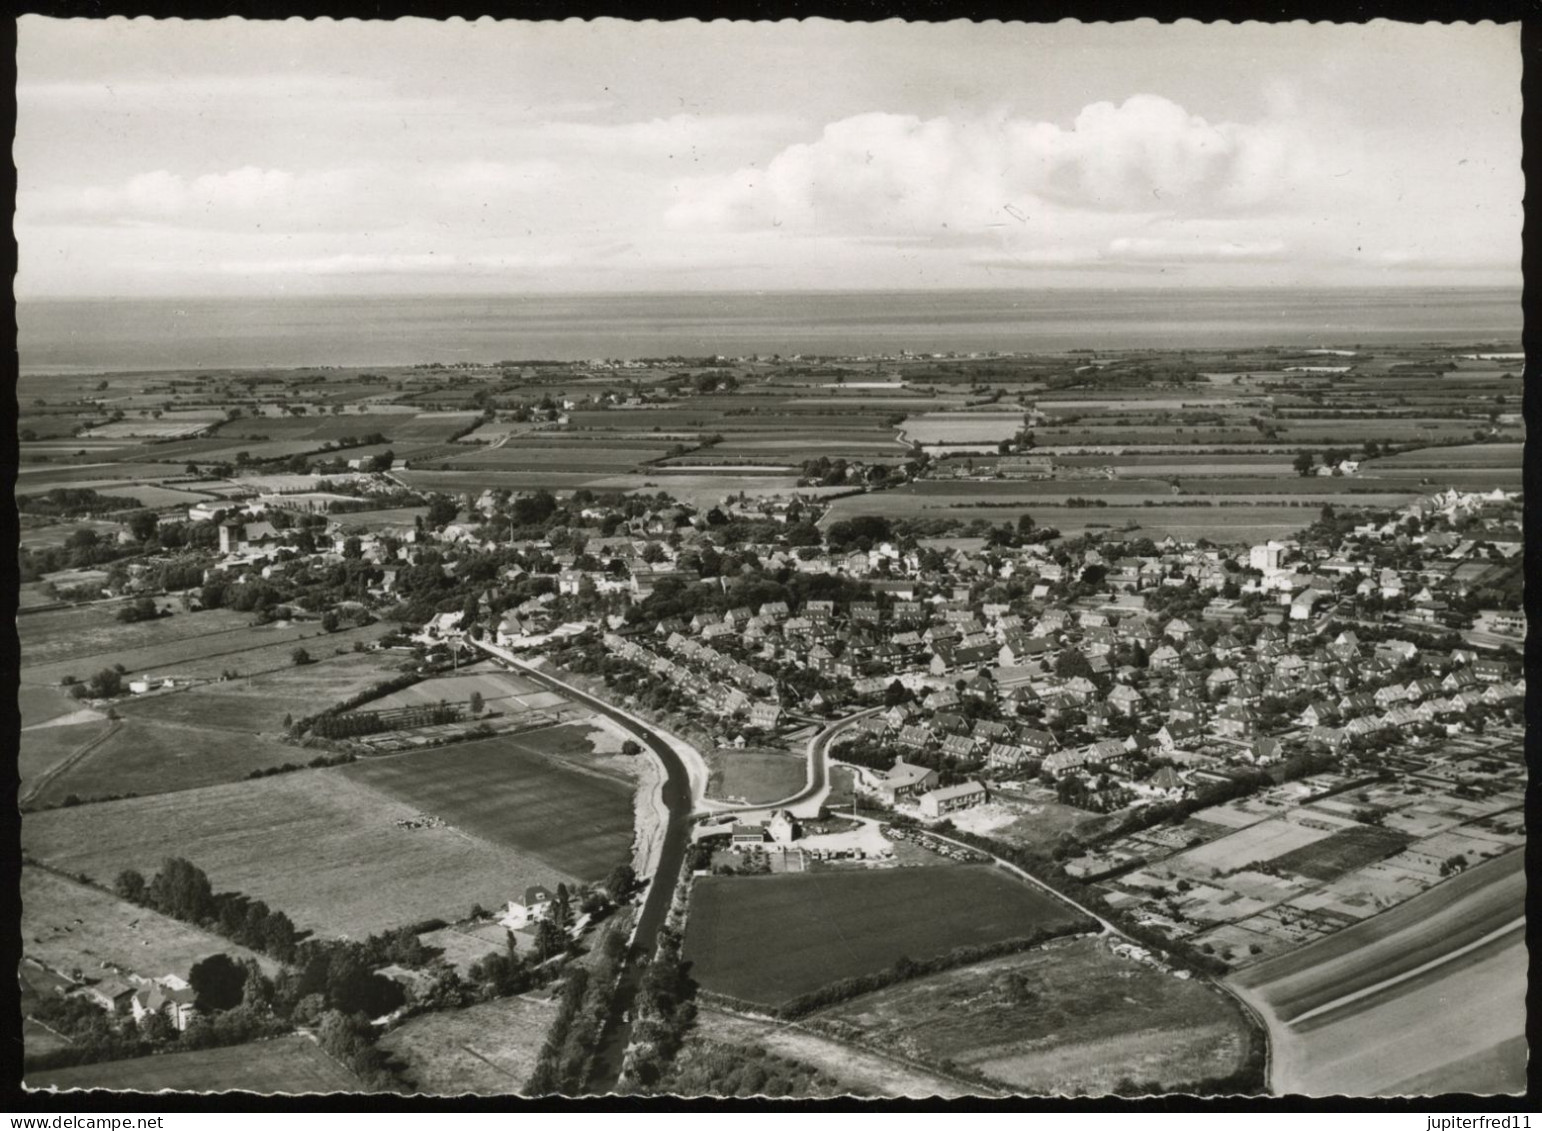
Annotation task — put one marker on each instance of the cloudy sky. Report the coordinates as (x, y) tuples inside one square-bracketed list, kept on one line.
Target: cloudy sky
[(172, 158)]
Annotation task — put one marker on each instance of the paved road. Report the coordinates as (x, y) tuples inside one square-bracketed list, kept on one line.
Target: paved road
[(807, 801), (677, 834)]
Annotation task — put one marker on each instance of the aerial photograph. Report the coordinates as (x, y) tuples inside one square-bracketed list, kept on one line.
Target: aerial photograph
[(794, 560)]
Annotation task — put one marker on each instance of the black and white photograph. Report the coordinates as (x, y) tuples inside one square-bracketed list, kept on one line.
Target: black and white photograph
[(786, 560)]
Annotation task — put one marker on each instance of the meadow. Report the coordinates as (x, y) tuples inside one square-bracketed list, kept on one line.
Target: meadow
[(770, 938), (488, 1049), (292, 1065), (320, 846), (68, 926), (146, 755), (1071, 1018), (94, 630)]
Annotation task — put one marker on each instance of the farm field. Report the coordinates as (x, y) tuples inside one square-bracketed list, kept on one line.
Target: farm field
[(41, 704), (317, 845), (488, 1049), (248, 649), (293, 1065), (66, 925), (1342, 852), (754, 777), (857, 1068), (577, 823), (1461, 1028), (142, 756), (94, 630), (41, 749), (455, 482), (258, 704), (1250, 522), (578, 457), (1071, 1018), (770, 938), (1265, 840), (494, 685), (1449, 915)]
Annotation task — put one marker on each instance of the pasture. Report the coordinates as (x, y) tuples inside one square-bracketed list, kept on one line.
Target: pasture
[(320, 846), (70, 926), (40, 750), (259, 703), (1071, 1019), (502, 791), (488, 1049), (495, 687), (144, 756), (770, 938), (94, 630), (292, 1065)]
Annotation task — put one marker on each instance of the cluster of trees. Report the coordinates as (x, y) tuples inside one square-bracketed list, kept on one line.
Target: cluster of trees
[(319, 762), (357, 723), (664, 1010), (66, 502), (182, 891), (105, 684), (373, 691), (94, 1037), (350, 1039), (139, 609), (566, 1058), (83, 549), (711, 1068)]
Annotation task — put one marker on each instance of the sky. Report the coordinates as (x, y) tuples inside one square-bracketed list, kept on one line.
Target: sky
[(173, 158)]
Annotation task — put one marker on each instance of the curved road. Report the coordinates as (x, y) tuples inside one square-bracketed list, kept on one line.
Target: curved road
[(655, 908)]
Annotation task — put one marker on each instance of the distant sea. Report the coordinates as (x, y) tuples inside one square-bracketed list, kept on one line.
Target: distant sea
[(60, 336)]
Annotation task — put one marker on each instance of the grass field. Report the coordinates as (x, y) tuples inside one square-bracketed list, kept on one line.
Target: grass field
[(1072, 1018), (47, 746), (68, 926), (859, 1069), (485, 1050), (260, 703), (144, 756), (495, 687), (292, 1065), (40, 704), (321, 847), (755, 778), (1342, 852), (84, 631), (248, 649), (771, 938), (504, 791)]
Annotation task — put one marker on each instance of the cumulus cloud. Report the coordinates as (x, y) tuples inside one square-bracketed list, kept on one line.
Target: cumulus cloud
[(162, 195), (881, 172)]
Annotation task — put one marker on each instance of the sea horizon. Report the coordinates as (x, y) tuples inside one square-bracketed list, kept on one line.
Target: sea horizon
[(59, 336)]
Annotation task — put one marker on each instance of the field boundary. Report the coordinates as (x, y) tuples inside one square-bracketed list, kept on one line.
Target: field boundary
[(974, 1087), (70, 761)]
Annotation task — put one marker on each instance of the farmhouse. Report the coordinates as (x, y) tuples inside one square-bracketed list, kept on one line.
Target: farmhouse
[(537, 905), (170, 996)]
